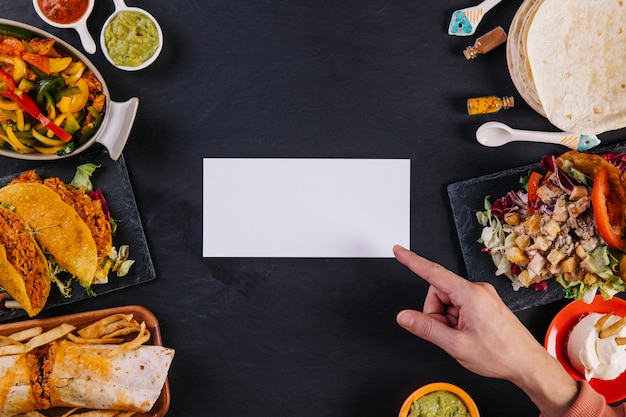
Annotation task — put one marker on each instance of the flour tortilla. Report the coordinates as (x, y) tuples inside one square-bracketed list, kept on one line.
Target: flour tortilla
[(577, 55), (517, 60), (58, 228), (16, 392), (87, 376)]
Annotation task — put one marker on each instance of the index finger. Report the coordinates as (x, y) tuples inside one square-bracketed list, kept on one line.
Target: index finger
[(433, 273)]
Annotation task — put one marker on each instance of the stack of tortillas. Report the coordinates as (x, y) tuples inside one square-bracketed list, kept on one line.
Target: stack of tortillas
[(567, 59)]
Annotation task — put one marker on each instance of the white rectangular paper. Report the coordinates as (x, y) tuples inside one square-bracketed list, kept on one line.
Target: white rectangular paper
[(308, 208)]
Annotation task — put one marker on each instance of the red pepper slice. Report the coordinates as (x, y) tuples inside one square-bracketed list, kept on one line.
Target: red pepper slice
[(29, 105), (533, 185), (607, 210)]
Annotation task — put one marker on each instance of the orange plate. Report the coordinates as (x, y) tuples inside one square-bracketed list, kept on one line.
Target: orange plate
[(439, 386), (558, 334), (82, 319)]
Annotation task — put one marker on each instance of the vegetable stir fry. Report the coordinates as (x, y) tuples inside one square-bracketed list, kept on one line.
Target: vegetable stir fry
[(50, 103)]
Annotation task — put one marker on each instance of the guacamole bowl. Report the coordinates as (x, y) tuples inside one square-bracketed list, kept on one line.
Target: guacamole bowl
[(131, 38), (446, 399), (32, 107)]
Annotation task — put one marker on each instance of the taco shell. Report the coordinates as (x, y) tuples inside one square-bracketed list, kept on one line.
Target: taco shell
[(89, 210), (24, 272), (58, 228)]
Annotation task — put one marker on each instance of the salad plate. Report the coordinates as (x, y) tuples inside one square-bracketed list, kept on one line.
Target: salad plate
[(558, 334), (467, 197), (112, 178)]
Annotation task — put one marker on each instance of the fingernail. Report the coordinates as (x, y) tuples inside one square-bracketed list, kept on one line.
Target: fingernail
[(405, 319)]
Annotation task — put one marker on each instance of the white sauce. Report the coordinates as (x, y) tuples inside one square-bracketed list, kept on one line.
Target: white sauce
[(594, 357)]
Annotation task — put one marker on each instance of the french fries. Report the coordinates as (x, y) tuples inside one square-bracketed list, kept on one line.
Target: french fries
[(108, 330), (94, 413), (600, 323), (20, 336), (110, 326), (608, 331)]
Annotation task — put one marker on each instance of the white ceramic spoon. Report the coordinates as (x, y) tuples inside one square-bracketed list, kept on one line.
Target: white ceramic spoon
[(465, 21), (497, 134)]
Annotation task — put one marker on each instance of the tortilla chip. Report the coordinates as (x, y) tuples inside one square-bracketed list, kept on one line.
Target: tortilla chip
[(58, 228)]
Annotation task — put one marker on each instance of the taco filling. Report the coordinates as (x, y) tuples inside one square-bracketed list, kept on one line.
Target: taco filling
[(24, 271)]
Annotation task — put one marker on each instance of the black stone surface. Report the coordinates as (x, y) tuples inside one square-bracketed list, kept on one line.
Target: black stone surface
[(303, 78)]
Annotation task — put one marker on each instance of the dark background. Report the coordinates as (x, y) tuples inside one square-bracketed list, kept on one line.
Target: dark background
[(305, 78)]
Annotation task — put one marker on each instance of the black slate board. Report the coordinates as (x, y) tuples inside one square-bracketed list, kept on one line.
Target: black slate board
[(112, 178), (466, 199)]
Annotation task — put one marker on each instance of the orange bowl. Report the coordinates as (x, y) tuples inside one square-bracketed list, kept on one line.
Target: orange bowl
[(439, 386)]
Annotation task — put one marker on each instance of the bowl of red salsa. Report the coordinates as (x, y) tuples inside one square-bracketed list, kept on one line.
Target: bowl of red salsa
[(68, 14)]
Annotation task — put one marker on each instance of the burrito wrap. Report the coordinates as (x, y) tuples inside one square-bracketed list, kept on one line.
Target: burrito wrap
[(88, 376)]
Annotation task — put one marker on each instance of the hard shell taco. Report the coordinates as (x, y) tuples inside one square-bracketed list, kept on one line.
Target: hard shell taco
[(57, 228), (91, 212), (24, 271)]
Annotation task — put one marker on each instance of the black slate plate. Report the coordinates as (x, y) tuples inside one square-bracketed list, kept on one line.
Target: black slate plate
[(466, 199), (112, 178)]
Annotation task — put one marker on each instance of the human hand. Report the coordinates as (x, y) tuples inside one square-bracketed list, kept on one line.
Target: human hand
[(470, 322)]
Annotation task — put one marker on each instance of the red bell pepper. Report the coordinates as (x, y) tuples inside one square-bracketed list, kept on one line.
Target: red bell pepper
[(533, 185), (607, 211), (30, 106)]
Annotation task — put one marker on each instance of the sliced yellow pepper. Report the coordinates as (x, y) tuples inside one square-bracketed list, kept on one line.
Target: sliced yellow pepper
[(58, 121), (73, 103), (6, 59), (46, 140), (73, 72), (51, 150), (8, 105), (20, 120), (59, 64), (15, 142), (19, 68)]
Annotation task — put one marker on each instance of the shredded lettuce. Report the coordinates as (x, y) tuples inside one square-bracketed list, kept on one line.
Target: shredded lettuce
[(82, 178), (497, 237), (65, 287)]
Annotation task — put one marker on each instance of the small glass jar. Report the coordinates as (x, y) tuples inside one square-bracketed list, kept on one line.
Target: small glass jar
[(488, 104), (486, 43)]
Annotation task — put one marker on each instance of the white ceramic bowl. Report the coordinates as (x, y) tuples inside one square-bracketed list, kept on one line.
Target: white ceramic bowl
[(121, 7), (79, 25), (118, 118)]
